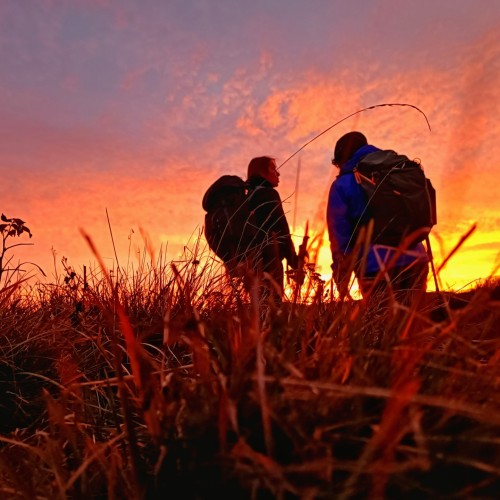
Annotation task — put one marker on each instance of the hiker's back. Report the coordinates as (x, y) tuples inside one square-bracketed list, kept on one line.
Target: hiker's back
[(228, 220), (400, 198), (392, 191)]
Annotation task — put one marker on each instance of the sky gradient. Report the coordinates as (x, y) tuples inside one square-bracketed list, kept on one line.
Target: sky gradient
[(135, 108)]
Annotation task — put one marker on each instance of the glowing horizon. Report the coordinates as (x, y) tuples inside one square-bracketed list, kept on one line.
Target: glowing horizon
[(135, 111)]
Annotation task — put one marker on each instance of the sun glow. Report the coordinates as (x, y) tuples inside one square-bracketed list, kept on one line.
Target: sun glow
[(477, 259)]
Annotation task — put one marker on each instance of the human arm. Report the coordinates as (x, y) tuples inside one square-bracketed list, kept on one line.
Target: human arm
[(272, 220), (340, 231)]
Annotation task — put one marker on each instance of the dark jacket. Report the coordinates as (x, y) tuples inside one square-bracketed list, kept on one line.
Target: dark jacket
[(270, 219), (347, 212)]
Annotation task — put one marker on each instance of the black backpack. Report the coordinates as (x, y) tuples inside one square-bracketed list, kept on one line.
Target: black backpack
[(401, 199), (229, 227)]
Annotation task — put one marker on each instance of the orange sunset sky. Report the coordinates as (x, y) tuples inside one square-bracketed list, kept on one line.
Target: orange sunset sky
[(137, 107)]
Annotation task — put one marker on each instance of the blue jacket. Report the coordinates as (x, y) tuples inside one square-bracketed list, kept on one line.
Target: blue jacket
[(347, 212)]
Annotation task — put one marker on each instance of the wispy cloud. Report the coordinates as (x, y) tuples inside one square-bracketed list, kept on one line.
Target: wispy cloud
[(138, 109)]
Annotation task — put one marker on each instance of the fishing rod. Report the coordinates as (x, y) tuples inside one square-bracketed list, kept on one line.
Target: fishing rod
[(350, 116), (334, 125)]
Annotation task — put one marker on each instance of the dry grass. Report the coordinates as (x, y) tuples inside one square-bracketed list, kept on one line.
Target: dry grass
[(167, 378)]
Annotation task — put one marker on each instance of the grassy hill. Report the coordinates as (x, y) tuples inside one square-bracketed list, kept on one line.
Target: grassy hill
[(169, 379)]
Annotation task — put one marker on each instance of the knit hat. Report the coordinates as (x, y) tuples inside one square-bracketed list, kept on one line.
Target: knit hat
[(347, 145)]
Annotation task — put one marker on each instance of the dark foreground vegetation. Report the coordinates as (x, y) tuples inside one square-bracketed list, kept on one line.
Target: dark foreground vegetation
[(166, 381)]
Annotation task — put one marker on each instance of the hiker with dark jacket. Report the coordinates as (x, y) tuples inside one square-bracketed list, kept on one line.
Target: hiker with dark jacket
[(347, 213), (273, 239)]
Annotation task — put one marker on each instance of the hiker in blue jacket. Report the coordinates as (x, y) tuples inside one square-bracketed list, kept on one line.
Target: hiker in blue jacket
[(347, 213)]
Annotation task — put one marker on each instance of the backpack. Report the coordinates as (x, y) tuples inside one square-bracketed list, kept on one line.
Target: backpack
[(401, 199), (228, 220)]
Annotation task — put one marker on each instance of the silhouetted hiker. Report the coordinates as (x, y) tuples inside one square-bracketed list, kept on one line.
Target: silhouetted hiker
[(349, 209), (273, 238)]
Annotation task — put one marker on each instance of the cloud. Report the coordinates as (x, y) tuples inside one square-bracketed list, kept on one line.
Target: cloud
[(139, 109)]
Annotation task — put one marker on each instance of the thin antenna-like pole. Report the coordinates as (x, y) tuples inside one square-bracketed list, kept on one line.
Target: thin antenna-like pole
[(85, 284), (297, 182), (431, 260), (113, 241)]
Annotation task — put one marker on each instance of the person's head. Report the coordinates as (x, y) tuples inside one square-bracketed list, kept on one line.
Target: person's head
[(264, 166), (346, 146)]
